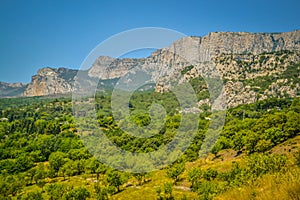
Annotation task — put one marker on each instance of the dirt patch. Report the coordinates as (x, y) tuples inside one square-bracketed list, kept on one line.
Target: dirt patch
[(182, 188)]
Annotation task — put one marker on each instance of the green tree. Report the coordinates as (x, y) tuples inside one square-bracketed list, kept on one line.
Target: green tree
[(78, 154), (263, 145), (221, 143), (210, 174), (24, 162), (40, 173), (69, 168), (40, 125), (274, 134), (194, 176), (101, 192), (34, 195), (250, 140), (91, 165), (237, 141), (57, 160), (101, 169), (165, 193), (11, 185), (175, 170), (41, 184), (31, 173), (56, 191), (114, 179), (159, 193), (80, 166), (292, 125), (207, 190), (77, 194)]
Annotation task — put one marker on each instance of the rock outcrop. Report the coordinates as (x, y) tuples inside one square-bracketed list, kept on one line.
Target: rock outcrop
[(49, 81), (247, 77), (239, 57), (200, 49)]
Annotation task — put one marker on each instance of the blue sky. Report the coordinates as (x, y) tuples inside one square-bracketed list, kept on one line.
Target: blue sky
[(58, 33)]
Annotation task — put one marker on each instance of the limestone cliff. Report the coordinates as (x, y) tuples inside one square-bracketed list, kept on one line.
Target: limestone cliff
[(201, 49), (239, 57), (49, 81)]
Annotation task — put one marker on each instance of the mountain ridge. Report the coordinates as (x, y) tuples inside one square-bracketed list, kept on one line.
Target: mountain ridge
[(212, 47)]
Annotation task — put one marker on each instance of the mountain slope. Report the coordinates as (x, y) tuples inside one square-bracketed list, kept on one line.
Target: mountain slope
[(49, 81), (239, 56), (11, 89)]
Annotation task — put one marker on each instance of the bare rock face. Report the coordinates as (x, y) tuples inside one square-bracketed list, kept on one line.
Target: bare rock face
[(247, 77), (238, 56), (204, 48), (50, 81), (242, 42), (109, 68), (199, 49)]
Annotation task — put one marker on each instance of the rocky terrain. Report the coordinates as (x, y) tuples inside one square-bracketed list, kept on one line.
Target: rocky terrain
[(50, 81), (11, 89), (253, 66), (248, 78), (200, 49)]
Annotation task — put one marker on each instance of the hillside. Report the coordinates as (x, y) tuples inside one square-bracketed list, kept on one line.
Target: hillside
[(56, 147), (42, 156)]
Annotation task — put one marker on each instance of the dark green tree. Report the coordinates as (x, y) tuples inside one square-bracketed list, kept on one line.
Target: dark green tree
[(34, 195), (57, 160), (80, 193), (175, 170), (114, 179), (101, 192)]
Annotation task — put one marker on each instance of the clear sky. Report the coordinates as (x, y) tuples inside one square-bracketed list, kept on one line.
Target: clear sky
[(59, 33)]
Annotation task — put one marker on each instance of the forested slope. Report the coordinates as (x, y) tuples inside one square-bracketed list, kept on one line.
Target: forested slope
[(42, 156)]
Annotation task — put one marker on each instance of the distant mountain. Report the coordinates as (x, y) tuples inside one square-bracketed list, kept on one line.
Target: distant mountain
[(253, 66), (12, 89), (50, 81)]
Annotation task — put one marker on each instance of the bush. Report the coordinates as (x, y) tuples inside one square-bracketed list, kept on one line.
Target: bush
[(175, 170), (165, 193), (56, 191), (210, 174), (207, 190), (36, 195), (260, 164), (194, 176), (77, 193)]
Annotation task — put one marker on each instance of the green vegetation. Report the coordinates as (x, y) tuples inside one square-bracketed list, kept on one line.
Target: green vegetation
[(42, 156), (264, 82), (186, 69)]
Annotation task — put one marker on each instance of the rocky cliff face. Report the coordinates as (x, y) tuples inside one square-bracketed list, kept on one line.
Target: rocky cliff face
[(50, 81), (252, 66), (239, 43), (239, 57), (247, 77), (200, 49)]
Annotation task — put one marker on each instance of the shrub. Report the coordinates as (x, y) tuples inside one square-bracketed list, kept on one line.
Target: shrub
[(207, 190)]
